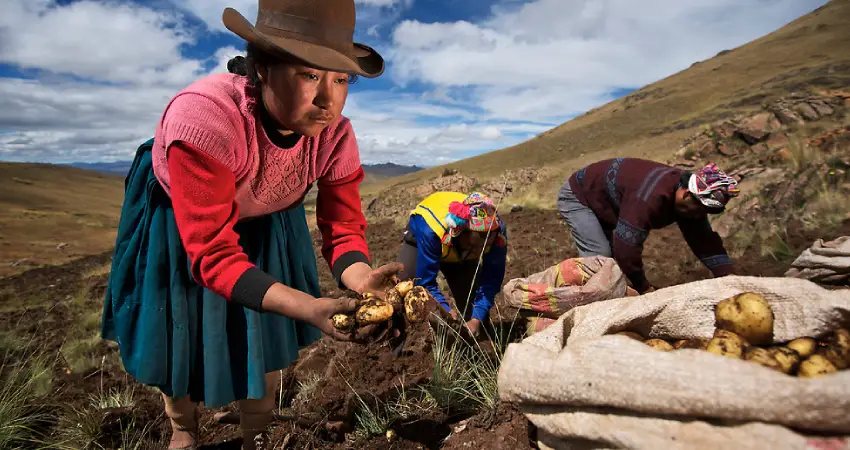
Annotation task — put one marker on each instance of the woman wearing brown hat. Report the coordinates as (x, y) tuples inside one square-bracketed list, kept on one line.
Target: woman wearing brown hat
[(214, 286)]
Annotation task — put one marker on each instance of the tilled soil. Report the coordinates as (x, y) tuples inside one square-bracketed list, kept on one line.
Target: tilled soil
[(338, 372)]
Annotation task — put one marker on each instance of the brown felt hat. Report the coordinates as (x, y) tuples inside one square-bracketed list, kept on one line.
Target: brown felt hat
[(318, 32)]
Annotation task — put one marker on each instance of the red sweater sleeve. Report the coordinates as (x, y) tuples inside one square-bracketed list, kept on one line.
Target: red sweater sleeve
[(203, 198), (341, 222)]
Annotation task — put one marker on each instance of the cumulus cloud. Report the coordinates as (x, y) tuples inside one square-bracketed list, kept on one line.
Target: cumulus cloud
[(549, 59), (405, 129), (104, 70), (104, 41)]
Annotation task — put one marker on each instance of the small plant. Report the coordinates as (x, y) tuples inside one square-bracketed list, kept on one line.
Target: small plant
[(371, 421), (23, 382), (113, 398), (306, 389)]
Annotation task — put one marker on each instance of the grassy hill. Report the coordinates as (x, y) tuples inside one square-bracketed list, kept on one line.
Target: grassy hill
[(43, 206), (810, 53)]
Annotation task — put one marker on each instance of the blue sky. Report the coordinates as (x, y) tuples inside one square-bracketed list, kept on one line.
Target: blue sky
[(86, 80)]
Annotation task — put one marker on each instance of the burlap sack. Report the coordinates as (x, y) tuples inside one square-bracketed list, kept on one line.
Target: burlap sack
[(587, 389), (544, 296)]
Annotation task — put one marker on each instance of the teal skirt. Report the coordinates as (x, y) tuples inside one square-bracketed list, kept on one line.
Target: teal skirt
[(177, 336)]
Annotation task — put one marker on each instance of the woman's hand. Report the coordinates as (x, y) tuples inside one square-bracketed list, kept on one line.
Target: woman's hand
[(284, 300), (362, 278), (474, 327)]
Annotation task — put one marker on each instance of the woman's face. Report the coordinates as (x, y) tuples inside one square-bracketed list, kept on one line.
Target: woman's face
[(302, 99)]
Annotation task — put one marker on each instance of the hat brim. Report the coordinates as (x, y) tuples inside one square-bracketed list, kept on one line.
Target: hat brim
[(368, 62)]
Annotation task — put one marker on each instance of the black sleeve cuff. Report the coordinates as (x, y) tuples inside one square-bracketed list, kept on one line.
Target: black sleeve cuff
[(344, 261), (251, 287)]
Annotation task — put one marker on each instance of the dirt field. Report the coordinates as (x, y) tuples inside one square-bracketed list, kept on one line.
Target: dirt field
[(55, 308)]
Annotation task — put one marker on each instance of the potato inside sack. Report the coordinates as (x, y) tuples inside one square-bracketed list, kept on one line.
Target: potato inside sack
[(699, 344), (805, 347), (788, 359), (726, 343), (373, 311), (816, 366), (659, 344), (837, 349), (747, 315), (416, 304), (764, 357), (631, 334)]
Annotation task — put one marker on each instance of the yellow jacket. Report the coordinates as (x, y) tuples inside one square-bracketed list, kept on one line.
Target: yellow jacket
[(434, 209)]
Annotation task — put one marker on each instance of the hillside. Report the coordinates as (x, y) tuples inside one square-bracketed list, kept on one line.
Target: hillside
[(51, 214), (810, 53), (374, 172)]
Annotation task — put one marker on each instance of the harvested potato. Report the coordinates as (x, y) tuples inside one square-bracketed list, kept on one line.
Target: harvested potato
[(416, 304), (837, 349), (343, 322), (699, 344), (788, 359), (374, 311), (395, 299), (816, 366), (365, 298), (404, 287), (747, 315), (631, 334), (727, 343), (659, 344), (805, 346), (762, 356)]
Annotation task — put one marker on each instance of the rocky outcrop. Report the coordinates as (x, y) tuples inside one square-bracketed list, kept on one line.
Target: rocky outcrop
[(766, 132)]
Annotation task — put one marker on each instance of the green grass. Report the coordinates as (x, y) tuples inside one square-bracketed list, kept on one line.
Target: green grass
[(24, 382)]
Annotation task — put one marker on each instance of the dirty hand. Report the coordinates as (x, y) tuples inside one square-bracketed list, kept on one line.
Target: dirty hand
[(324, 308), (474, 327), (377, 281)]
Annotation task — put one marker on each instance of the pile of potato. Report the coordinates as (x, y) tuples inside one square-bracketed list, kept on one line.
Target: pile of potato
[(744, 330), (404, 300)]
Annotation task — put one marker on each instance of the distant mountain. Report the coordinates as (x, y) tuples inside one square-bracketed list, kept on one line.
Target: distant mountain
[(117, 167), (389, 170), (374, 172)]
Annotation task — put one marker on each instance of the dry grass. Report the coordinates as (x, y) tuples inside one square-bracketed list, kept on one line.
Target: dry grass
[(43, 206)]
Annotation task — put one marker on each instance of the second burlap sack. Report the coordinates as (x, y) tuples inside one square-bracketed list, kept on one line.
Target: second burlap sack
[(586, 388)]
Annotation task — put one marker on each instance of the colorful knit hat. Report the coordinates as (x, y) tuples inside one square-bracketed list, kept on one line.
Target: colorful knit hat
[(475, 213), (713, 187)]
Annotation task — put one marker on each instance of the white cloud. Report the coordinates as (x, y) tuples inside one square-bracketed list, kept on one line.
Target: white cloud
[(370, 13), (549, 59), (64, 122), (488, 84), (404, 129), (105, 41)]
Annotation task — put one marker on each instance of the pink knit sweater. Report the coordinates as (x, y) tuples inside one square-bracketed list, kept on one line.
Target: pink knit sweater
[(217, 115)]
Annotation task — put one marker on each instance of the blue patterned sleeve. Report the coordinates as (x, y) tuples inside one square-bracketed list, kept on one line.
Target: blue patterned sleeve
[(429, 250), (493, 266), (706, 245)]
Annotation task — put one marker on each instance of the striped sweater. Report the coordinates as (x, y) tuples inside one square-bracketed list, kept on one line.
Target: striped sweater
[(632, 196)]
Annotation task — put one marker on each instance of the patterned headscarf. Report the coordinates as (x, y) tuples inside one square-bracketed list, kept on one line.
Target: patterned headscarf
[(476, 213), (713, 187)]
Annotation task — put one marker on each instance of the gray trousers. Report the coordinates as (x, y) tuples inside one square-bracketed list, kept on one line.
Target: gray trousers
[(589, 236)]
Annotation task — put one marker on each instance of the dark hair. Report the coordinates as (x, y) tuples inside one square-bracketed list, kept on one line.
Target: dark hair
[(246, 65)]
